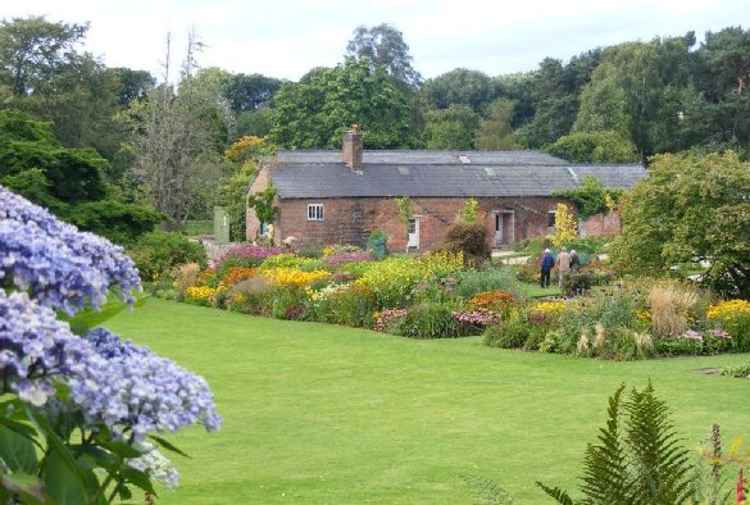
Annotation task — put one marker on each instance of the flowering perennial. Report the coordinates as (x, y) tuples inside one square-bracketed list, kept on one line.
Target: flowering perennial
[(337, 259), (251, 252), (200, 293), (59, 266), (294, 277), (127, 387), (729, 310), (237, 274), (478, 317), (491, 300), (383, 319)]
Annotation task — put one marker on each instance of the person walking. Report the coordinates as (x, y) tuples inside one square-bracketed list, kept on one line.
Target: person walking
[(575, 261), (563, 266), (546, 265)]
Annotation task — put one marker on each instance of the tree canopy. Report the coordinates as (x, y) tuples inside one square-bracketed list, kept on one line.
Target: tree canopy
[(384, 46), (314, 112), (690, 209)]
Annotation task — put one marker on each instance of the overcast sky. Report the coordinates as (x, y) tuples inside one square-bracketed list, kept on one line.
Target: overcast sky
[(285, 38)]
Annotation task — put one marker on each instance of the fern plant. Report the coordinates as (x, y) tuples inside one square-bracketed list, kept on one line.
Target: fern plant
[(638, 458)]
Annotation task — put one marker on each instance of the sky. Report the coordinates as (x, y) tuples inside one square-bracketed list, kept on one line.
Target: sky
[(286, 38)]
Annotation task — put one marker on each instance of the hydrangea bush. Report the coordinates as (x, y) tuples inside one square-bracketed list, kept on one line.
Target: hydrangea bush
[(85, 410)]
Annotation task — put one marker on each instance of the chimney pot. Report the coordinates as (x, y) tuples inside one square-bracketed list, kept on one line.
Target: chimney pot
[(351, 148)]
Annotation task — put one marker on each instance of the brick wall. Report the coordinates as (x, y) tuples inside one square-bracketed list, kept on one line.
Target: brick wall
[(350, 220), (602, 224)]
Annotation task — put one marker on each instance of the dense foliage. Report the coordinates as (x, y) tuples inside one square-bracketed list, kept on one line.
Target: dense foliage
[(315, 112), (691, 211)]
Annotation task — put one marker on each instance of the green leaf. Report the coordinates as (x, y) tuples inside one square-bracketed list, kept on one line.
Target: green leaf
[(64, 485), (17, 450), (138, 478), (28, 487), (167, 445), (87, 319), (556, 493), (122, 449)]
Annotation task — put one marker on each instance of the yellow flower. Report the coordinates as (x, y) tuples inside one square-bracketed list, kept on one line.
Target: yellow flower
[(200, 293), (729, 310), (294, 276)]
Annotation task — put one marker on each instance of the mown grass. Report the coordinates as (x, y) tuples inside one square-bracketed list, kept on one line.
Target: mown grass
[(318, 414)]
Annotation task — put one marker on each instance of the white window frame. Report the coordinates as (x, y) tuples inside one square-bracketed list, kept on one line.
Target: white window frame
[(315, 212)]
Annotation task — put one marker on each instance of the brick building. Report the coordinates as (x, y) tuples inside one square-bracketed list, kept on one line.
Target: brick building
[(331, 197)]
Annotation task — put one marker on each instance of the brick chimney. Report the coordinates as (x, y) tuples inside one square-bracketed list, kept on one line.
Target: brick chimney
[(351, 149)]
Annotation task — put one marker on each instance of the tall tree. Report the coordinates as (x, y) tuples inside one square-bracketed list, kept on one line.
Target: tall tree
[(495, 132), (641, 88), (460, 87), (314, 112), (33, 49), (131, 84), (451, 128), (248, 92), (384, 45), (177, 147)]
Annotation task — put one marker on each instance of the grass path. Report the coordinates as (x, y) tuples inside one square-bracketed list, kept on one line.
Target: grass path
[(318, 414)]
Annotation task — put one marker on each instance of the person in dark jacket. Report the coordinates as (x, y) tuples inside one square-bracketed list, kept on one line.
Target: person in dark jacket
[(548, 261)]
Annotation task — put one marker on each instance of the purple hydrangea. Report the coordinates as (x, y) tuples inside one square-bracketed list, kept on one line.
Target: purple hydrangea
[(128, 386), (59, 266), (35, 348)]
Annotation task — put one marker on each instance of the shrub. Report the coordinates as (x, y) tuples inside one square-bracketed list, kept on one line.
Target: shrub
[(393, 280), (469, 239), (472, 282), (158, 252), (578, 283), (344, 304), (122, 223), (603, 146), (429, 320), (510, 334), (288, 302), (377, 244)]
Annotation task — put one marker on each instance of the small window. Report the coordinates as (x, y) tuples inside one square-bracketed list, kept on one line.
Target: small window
[(315, 212), (412, 225), (551, 219)]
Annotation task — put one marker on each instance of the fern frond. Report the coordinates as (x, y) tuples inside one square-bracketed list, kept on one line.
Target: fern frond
[(556, 493)]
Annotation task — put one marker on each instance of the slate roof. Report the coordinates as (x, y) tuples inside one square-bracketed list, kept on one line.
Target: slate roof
[(321, 174)]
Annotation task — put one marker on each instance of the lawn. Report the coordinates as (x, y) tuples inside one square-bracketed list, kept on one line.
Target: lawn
[(318, 414)]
